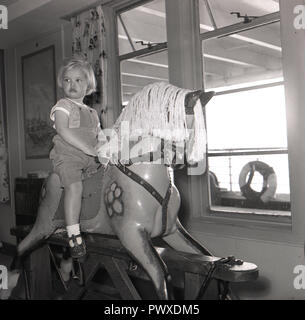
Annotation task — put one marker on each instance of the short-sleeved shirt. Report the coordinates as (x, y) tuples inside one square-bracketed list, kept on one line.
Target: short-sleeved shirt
[(72, 109), (68, 161)]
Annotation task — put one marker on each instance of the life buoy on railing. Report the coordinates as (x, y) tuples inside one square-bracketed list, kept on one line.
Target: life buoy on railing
[(269, 182)]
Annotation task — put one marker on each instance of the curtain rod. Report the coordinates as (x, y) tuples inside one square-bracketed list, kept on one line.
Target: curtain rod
[(114, 4), (88, 7)]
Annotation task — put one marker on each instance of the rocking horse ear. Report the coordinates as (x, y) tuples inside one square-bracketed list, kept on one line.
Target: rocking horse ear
[(192, 97), (205, 97)]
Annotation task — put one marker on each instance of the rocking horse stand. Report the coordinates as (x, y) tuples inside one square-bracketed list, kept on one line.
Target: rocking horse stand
[(191, 273)]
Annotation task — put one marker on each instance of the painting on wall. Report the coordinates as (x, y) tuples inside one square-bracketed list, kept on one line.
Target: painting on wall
[(39, 95)]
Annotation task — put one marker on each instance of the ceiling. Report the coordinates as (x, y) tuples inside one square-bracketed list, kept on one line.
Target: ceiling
[(247, 56), (28, 19)]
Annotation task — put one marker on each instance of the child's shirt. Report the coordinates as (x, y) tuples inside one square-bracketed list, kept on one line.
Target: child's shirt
[(82, 119)]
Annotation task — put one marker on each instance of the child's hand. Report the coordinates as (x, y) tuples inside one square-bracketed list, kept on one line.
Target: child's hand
[(99, 145), (91, 152), (102, 150)]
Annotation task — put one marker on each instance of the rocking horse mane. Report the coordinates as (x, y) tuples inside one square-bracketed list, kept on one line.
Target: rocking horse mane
[(158, 110)]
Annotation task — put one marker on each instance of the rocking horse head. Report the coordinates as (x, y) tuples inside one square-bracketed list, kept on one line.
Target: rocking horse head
[(167, 121)]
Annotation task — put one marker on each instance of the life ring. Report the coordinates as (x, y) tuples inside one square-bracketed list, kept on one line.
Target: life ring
[(269, 183)]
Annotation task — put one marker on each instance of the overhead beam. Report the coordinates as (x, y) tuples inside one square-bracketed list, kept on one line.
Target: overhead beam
[(241, 79), (228, 60), (143, 69), (243, 55), (134, 80)]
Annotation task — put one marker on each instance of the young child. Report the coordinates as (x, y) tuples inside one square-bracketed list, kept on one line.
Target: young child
[(78, 129)]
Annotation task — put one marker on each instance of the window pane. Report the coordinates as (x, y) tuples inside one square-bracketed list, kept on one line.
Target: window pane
[(221, 11), (228, 192), (247, 119), (141, 71), (145, 23), (245, 59), (246, 122)]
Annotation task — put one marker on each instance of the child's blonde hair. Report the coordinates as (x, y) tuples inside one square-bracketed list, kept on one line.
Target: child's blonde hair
[(81, 65)]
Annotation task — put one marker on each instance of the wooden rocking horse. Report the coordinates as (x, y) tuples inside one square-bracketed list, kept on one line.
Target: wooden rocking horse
[(138, 201)]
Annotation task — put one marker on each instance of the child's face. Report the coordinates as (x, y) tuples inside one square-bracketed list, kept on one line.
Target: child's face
[(75, 84)]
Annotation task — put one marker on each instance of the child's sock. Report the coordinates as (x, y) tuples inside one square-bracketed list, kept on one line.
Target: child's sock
[(74, 229)]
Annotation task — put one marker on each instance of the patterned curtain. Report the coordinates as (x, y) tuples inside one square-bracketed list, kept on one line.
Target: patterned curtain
[(89, 40), (4, 185)]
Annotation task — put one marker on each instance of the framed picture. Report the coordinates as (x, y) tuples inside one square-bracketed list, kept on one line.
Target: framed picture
[(39, 95)]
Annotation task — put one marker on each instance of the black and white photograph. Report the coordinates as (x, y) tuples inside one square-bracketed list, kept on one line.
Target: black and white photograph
[(151, 151)]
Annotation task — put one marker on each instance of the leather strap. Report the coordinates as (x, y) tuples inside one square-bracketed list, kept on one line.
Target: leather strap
[(163, 201)]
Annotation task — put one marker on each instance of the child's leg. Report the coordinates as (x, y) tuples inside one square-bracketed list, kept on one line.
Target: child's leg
[(73, 200), (72, 203), (69, 167)]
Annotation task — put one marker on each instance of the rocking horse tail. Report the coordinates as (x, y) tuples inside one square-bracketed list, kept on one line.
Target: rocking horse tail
[(45, 223)]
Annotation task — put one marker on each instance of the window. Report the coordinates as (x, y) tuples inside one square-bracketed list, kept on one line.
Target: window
[(142, 47), (246, 120), (218, 13)]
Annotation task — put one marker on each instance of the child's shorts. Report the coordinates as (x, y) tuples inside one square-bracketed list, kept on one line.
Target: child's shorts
[(72, 168)]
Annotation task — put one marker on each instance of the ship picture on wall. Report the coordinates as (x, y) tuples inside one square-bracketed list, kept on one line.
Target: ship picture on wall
[(39, 95)]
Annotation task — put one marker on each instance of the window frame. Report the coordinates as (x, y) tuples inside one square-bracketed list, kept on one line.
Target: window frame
[(160, 47), (250, 224), (237, 210), (201, 221)]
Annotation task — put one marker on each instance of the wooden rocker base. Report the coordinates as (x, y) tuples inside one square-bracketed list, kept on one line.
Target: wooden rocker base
[(105, 252)]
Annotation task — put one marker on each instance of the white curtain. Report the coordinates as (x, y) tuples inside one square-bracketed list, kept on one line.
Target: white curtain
[(4, 185), (89, 40)]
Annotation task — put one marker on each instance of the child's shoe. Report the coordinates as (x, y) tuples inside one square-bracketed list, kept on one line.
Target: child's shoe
[(78, 250)]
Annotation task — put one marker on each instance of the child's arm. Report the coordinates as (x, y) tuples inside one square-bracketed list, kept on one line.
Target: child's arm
[(62, 128), (101, 144)]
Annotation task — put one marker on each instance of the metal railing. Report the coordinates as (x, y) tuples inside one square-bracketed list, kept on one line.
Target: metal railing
[(227, 172)]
